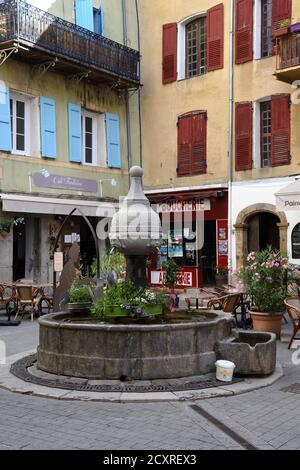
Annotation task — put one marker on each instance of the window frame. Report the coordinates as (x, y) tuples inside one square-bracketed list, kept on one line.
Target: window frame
[(14, 98), (263, 28), (268, 135), (87, 114), (200, 43)]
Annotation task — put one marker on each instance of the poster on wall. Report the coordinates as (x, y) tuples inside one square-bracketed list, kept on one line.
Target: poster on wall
[(175, 244), (222, 242)]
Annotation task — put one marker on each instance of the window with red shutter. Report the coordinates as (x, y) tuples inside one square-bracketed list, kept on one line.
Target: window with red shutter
[(215, 38), (281, 130), (243, 136), (243, 31), (169, 53), (192, 143), (282, 10)]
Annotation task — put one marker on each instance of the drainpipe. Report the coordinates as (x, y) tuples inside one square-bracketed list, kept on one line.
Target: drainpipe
[(127, 108), (139, 90), (230, 139)]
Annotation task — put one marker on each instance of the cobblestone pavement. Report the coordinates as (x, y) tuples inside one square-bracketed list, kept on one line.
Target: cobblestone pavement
[(267, 418)]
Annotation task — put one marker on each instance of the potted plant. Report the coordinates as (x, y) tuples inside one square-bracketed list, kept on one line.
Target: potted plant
[(264, 278), (80, 297), (221, 275), (124, 300), (282, 28), (5, 226), (112, 266)]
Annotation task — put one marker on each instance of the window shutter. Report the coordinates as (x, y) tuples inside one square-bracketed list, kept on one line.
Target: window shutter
[(215, 38), (281, 130), (99, 21), (243, 31), (75, 133), (113, 140), (243, 136), (48, 127), (199, 125), (5, 124), (192, 143), (84, 14), (169, 53), (184, 145), (281, 10)]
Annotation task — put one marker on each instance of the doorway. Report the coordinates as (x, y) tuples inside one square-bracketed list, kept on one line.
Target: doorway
[(19, 251), (263, 231), (209, 253)]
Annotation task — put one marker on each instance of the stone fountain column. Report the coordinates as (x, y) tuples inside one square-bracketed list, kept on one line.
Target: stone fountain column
[(136, 229)]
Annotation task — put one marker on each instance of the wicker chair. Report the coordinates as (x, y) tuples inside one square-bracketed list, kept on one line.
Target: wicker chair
[(28, 299), (293, 308), (228, 303)]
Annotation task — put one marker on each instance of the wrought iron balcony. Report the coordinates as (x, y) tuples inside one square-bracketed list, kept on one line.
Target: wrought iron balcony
[(288, 58), (40, 38)]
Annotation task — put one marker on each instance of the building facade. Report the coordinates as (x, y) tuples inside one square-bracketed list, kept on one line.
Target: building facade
[(220, 122), (69, 125)]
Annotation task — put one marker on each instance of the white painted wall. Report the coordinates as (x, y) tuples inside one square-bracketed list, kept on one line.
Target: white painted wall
[(247, 193)]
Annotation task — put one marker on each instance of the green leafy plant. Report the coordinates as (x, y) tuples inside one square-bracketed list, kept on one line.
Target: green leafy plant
[(264, 278), (126, 296), (80, 292), (171, 272), (5, 225), (115, 263), (221, 270)]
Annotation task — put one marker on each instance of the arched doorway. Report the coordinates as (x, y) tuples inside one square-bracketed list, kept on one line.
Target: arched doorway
[(258, 226), (263, 231)]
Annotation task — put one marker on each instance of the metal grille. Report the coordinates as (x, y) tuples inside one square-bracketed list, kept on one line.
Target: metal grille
[(266, 133), (20, 370)]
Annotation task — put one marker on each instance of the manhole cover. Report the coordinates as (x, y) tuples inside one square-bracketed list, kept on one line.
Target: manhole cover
[(21, 370)]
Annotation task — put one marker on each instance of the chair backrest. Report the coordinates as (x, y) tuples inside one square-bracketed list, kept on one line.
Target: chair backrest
[(293, 307), (25, 292), (231, 302)]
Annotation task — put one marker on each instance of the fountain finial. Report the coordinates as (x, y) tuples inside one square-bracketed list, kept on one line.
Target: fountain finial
[(136, 172)]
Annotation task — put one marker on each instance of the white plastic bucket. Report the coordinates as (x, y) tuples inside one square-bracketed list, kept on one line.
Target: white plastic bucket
[(225, 371)]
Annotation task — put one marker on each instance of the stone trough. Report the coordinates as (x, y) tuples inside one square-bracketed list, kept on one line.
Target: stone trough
[(253, 353)]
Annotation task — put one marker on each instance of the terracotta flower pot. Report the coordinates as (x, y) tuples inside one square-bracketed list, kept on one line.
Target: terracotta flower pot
[(266, 322)]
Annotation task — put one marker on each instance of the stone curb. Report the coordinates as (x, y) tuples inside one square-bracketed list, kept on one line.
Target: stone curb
[(11, 383)]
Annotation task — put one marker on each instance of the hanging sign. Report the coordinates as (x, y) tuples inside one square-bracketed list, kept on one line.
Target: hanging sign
[(58, 262)]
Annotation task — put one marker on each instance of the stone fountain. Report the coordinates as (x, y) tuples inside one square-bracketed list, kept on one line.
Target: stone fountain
[(84, 347), (136, 229)]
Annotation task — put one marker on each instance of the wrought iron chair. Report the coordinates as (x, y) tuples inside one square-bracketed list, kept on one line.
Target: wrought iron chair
[(228, 304), (293, 308), (8, 299), (28, 298)]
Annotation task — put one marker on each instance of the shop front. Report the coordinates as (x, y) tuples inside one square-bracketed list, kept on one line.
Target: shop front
[(195, 236)]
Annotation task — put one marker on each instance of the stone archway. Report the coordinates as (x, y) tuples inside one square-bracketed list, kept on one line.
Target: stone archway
[(241, 229)]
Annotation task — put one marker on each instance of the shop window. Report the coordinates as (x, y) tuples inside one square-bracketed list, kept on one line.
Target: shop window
[(196, 47), (296, 242)]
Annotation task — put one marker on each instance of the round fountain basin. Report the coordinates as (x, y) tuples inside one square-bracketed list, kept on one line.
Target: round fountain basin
[(89, 349)]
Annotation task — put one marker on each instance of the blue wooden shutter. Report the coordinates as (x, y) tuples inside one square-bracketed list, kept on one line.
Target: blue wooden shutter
[(113, 140), (84, 14), (98, 21), (75, 135), (5, 123), (48, 127)]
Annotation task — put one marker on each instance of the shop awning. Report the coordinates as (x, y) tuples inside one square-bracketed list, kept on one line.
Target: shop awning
[(288, 198), (55, 206)]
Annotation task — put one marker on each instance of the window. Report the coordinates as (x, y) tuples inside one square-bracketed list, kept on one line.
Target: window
[(267, 47), (89, 138), (20, 120), (196, 47), (265, 133), (98, 21), (296, 242)]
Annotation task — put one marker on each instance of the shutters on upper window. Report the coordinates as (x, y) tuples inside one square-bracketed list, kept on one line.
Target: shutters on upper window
[(243, 136), (169, 53), (243, 31)]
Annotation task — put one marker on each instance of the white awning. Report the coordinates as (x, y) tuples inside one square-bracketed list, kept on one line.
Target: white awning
[(288, 198), (47, 205)]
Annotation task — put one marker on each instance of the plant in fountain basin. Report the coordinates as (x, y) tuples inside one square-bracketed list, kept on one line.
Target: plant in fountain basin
[(125, 300), (264, 278), (80, 296)]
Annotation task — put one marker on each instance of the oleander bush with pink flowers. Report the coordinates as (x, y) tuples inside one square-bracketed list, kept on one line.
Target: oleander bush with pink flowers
[(264, 278)]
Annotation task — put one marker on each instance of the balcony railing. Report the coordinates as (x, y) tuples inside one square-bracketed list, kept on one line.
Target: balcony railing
[(42, 31), (288, 51)]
